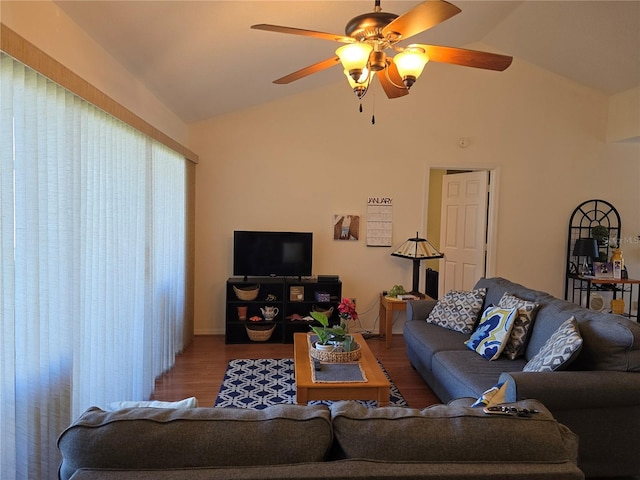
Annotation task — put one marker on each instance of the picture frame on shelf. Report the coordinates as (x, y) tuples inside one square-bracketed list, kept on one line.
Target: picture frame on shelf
[(296, 293), (602, 270)]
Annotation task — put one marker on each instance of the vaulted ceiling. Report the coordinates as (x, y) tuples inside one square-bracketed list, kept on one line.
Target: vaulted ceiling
[(201, 58)]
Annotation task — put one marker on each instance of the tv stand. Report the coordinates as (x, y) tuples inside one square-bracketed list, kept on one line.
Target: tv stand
[(294, 297)]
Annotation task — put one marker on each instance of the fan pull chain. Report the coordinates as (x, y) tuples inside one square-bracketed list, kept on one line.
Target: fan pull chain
[(373, 115)]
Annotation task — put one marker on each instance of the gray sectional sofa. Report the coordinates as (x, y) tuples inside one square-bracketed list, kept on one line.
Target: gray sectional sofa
[(597, 395), (347, 440)]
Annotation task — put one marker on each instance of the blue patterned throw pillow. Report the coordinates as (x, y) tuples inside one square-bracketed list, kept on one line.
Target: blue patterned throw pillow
[(458, 310), (492, 332), (560, 349)]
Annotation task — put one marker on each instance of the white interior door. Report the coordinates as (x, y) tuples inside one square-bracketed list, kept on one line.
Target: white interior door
[(463, 233)]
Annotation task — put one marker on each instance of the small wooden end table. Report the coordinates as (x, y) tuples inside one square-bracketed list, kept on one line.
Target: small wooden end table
[(376, 386), (388, 305)]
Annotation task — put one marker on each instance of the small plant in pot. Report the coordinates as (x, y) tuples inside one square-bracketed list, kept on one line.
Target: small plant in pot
[(329, 337)]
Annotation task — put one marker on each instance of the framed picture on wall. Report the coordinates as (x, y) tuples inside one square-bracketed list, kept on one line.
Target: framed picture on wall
[(346, 227)]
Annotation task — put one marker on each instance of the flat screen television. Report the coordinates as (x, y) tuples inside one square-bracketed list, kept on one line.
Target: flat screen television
[(281, 254)]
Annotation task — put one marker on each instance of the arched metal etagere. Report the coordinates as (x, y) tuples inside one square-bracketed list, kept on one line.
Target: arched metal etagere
[(586, 216)]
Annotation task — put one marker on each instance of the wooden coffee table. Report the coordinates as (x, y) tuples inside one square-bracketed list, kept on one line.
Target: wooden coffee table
[(375, 388)]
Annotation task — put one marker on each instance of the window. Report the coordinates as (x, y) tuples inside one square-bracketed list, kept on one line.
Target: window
[(92, 264)]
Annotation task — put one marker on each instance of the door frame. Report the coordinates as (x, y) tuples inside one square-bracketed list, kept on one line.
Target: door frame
[(492, 213)]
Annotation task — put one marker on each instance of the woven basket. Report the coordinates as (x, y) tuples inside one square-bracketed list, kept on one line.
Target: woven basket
[(260, 333), (337, 357), (247, 293), (327, 311)]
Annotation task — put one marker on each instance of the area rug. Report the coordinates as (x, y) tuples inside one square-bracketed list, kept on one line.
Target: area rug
[(259, 383)]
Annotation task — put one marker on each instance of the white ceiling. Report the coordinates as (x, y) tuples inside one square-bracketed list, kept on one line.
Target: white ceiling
[(201, 58)]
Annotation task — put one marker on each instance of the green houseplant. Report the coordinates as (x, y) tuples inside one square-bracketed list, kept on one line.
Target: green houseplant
[(325, 333), (338, 334)]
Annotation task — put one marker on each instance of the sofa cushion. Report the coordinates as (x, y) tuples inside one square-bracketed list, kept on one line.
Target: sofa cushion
[(196, 437), (559, 350), (521, 326), (458, 310), (492, 333), (450, 433), (464, 373)]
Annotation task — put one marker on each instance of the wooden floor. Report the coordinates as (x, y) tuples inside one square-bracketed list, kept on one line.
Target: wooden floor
[(199, 370)]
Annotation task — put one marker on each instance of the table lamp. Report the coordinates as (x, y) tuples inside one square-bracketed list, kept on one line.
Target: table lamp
[(417, 249), (586, 247)]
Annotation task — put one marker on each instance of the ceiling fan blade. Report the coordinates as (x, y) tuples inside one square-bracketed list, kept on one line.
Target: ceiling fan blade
[(311, 69), (420, 18), (306, 33), (390, 81), (467, 58)]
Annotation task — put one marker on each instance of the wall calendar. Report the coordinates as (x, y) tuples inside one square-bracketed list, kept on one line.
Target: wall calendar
[(379, 221)]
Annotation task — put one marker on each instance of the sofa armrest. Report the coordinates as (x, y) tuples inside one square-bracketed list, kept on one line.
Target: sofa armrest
[(419, 309), (571, 390)]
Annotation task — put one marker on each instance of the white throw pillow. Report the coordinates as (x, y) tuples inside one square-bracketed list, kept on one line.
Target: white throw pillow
[(190, 402)]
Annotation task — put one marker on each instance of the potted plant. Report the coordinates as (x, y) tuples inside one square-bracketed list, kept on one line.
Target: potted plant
[(327, 336), (330, 337), (601, 234)]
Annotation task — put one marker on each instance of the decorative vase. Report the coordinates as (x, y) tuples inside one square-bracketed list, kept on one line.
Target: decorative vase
[(617, 262)]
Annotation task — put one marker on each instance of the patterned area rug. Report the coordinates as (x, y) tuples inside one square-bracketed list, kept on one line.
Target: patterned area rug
[(259, 383)]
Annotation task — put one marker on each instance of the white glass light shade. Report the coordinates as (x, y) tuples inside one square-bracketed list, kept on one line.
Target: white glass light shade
[(410, 63), (354, 56), (363, 81)]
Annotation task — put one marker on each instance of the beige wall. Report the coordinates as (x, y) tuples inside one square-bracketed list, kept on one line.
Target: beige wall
[(44, 24), (292, 164), (624, 116)]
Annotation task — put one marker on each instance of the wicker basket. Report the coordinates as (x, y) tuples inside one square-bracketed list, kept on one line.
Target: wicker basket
[(327, 311), (336, 357), (260, 333), (247, 293)]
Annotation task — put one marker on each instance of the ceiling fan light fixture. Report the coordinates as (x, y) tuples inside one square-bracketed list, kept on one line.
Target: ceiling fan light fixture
[(377, 60), (410, 64), (361, 85), (354, 58)]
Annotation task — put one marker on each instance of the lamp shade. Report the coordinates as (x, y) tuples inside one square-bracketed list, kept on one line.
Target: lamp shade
[(354, 58), (363, 81), (410, 63), (417, 249), (586, 247)]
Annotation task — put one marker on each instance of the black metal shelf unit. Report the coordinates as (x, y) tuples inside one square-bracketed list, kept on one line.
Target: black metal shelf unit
[(586, 216)]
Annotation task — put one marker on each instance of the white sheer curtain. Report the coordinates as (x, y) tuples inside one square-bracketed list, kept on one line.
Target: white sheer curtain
[(92, 265)]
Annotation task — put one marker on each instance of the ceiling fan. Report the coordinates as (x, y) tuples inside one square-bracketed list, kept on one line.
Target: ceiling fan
[(367, 36)]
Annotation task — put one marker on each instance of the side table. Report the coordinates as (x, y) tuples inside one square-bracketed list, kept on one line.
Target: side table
[(388, 305)]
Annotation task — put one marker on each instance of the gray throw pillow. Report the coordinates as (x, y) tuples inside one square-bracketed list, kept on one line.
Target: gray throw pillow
[(560, 349), (521, 326), (458, 310)]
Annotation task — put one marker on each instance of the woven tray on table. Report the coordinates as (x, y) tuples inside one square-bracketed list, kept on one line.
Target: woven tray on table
[(336, 356)]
